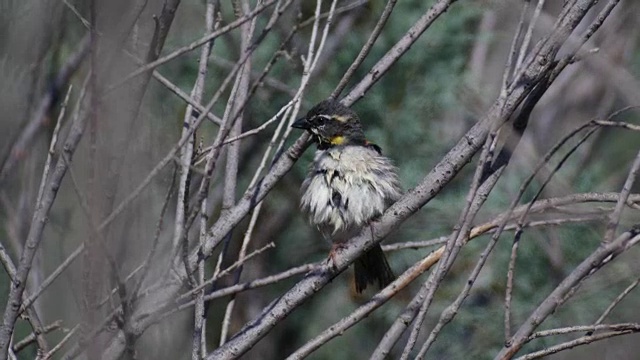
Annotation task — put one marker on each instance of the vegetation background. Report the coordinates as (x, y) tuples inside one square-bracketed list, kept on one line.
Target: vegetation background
[(54, 61)]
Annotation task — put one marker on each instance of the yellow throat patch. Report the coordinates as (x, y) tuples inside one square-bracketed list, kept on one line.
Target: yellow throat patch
[(337, 140)]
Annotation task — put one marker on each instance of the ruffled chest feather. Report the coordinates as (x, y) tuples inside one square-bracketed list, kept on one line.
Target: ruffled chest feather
[(348, 186)]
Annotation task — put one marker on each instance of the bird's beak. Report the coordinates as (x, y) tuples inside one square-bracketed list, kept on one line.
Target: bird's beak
[(301, 124)]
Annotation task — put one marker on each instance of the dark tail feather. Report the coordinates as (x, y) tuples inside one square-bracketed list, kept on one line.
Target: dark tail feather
[(372, 267)]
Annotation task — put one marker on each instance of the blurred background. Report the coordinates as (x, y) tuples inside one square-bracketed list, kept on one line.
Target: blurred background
[(416, 113)]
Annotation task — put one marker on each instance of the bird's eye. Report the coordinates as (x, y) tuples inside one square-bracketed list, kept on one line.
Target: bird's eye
[(321, 119)]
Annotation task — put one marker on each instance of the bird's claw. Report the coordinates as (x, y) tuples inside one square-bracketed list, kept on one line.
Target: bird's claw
[(336, 248)]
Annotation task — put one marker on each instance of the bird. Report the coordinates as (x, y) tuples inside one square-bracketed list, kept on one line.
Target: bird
[(349, 184)]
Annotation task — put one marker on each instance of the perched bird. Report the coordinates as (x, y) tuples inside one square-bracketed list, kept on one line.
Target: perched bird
[(349, 184)]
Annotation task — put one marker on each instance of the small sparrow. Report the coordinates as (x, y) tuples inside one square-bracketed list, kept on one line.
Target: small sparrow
[(349, 184)]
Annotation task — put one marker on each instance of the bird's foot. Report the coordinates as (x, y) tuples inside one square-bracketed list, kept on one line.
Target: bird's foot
[(336, 248)]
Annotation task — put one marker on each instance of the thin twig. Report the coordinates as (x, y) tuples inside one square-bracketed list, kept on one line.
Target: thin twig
[(310, 62), (257, 83), (229, 120), (364, 310), (234, 289), (295, 103), (31, 338), (113, 264), (146, 264), (523, 187), (266, 80), (186, 152), (64, 340), (54, 275), (32, 316), (510, 66), (488, 170), (479, 196), (614, 219), (516, 239), (184, 96), (614, 303), (487, 228), (414, 244), (194, 45), (590, 264), (453, 245), (46, 195), (402, 46), (589, 328), (199, 337), (365, 49), (577, 342), (339, 10), (231, 170), (39, 120), (228, 270), (527, 37)]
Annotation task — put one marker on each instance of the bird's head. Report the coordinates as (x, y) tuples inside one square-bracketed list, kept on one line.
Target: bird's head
[(331, 124)]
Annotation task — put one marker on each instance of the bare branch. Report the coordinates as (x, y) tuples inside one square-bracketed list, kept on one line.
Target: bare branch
[(31, 338), (614, 219), (365, 49), (49, 189), (614, 303), (402, 46), (601, 255), (589, 328), (577, 342), (61, 343), (194, 45), (23, 141)]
